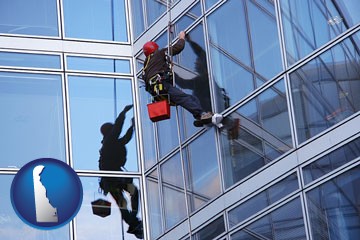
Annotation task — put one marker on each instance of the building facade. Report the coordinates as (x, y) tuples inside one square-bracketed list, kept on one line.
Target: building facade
[(286, 70)]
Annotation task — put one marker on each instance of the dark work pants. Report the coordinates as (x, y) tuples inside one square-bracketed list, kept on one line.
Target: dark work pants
[(116, 191), (129, 216), (189, 102)]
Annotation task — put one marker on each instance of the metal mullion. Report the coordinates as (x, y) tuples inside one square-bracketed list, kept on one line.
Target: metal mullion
[(67, 126), (289, 98), (187, 217), (306, 215), (249, 37), (304, 204), (140, 151), (145, 22), (162, 200), (67, 120), (217, 136), (291, 111), (60, 18), (281, 34)]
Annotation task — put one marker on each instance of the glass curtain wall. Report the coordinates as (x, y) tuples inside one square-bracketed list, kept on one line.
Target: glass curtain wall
[(283, 72)]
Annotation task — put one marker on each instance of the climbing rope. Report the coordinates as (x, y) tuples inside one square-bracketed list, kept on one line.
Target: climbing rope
[(169, 31)]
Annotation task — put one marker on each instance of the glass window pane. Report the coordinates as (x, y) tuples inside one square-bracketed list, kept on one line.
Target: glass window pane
[(30, 60), (173, 191), (325, 91), (210, 3), (92, 103), (262, 200), (188, 18), (334, 207), (168, 137), (98, 20), (154, 9), (32, 118), (310, 24), (171, 172), (264, 40), (122, 66), (148, 131), (30, 17), (202, 170), (332, 161), (231, 80), (174, 206), (90, 226), (287, 222), (154, 209), (212, 230), (187, 127), (98, 64), (248, 209), (256, 134), (137, 17), (283, 188), (235, 44)]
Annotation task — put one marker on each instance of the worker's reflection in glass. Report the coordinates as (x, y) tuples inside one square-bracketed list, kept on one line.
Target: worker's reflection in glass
[(112, 158), (200, 88), (200, 83)]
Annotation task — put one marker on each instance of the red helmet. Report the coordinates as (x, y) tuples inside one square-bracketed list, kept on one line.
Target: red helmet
[(150, 47)]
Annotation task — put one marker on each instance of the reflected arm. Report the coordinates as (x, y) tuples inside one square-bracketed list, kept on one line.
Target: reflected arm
[(118, 125), (128, 135), (183, 83), (199, 51)]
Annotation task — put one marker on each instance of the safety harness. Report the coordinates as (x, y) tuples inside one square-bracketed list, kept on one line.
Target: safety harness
[(155, 84)]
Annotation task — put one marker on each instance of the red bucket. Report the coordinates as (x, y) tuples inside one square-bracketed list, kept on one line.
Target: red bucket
[(159, 110)]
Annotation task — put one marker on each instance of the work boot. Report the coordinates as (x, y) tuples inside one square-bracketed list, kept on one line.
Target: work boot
[(198, 123), (206, 117)]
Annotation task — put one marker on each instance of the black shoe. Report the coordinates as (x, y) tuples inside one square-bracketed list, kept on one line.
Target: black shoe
[(137, 230), (198, 123), (206, 117)]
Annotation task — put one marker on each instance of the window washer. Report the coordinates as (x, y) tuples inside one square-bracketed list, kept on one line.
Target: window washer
[(158, 77)]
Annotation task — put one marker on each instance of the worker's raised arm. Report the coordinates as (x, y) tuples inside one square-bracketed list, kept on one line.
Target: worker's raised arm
[(179, 45)]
